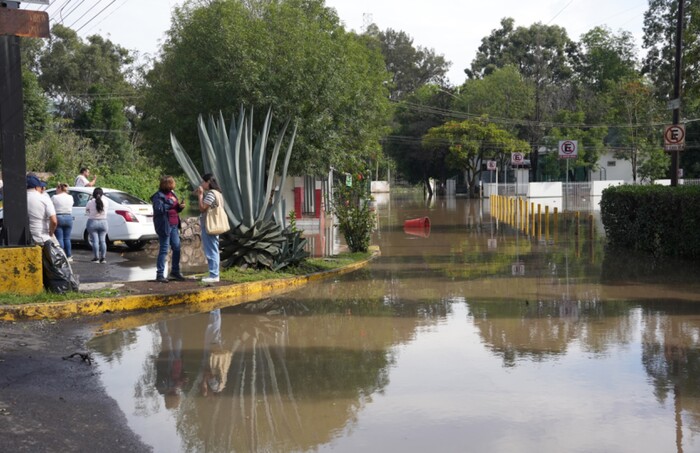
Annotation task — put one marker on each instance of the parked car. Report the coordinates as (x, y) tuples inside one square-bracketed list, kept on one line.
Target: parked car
[(129, 218)]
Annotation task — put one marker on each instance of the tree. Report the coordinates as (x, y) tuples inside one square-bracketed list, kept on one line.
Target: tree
[(545, 56), (606, 57), (660, 42), (291, 54), (469, 143), (409, 66), (636, 110), (503, 94), (413, 117), (69, 68)]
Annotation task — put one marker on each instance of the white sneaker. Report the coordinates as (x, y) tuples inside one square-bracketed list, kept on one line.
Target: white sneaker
[(210, 280), (70, 259)]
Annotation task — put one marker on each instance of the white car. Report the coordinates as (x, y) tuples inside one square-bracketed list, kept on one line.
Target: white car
[(129, 219)]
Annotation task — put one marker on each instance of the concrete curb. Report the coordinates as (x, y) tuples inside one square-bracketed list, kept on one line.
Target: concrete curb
[(234, 294)]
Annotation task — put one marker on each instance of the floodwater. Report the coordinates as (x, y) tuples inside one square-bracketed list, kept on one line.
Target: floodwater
[(470, 337)]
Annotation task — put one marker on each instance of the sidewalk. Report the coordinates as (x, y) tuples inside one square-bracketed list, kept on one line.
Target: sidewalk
[(145, 295)]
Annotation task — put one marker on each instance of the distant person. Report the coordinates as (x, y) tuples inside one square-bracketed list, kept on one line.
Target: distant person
[(82, 179), (40, 210), (63, 202), (96, 210), (210, 242), (166, 220)]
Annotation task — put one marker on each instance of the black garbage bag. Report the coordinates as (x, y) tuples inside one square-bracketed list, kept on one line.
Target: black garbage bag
[(58, 275)]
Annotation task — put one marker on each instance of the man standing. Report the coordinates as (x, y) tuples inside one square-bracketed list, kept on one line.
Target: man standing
[(42, 214), (82, 179)]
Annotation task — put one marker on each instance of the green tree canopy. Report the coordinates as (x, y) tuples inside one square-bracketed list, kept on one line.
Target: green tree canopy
[(292, 55), (606, 57), (471, 142), (410, 67)]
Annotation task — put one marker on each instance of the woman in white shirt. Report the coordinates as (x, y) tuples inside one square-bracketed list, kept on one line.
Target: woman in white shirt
[(63, 202), (96, 211)]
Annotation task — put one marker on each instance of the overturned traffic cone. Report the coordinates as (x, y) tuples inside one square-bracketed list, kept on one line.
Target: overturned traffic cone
[(417, 227)]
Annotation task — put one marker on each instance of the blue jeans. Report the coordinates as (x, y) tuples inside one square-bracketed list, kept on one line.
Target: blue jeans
[(172, 240), (210, 244), (97, 228), (63, 230)]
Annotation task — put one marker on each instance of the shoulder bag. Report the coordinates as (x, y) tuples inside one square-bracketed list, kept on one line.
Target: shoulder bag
[(216, 219)]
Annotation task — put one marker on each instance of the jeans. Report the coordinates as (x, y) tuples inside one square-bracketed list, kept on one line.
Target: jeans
[(210, 244), (172, 240), (97, 228), (63, 230)]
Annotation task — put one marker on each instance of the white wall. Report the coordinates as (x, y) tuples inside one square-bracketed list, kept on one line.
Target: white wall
[(544, 189), (612, 169)]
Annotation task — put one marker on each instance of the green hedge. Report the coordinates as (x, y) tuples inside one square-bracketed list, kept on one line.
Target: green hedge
[(661, 220)]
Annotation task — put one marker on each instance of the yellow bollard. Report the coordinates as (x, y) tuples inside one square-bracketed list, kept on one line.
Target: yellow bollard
[(556, 224), (576, 220), (539, 220), (532, 220), (546, 223), (527, 220)]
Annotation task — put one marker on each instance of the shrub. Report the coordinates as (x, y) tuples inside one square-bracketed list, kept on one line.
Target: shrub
[(355, 218), (660, 220)]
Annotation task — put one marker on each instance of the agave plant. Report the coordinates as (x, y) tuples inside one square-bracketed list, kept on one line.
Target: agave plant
[(237, 158)]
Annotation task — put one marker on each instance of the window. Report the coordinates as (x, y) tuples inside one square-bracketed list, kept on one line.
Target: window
[(611, 163)]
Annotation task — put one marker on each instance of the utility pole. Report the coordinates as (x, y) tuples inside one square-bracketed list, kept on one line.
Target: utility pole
[(675, 156), (13, 24)]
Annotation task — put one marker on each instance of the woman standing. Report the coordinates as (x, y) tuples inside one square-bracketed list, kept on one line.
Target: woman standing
[(96, 211), (166, 221), (210, 242), (63, 202)]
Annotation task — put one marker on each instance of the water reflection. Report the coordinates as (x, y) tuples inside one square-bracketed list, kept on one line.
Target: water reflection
[(445, 340)]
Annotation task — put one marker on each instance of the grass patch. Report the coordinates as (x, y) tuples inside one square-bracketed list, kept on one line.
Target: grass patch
[(47, 298), (309, 266)]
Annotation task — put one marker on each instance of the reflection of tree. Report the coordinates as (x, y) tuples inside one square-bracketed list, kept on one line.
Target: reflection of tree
[(296, 377), (539, 331), (671, 357)]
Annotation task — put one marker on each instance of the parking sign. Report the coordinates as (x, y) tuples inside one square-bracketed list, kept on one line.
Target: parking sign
[(568, 149)]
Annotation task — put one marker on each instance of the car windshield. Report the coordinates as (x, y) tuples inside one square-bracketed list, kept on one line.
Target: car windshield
[(123, 198)]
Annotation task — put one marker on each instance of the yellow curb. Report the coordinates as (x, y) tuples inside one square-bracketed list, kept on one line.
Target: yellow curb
[(207, 297)]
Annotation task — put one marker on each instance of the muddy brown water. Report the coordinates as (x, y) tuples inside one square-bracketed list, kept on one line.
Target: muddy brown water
[(474, 338)]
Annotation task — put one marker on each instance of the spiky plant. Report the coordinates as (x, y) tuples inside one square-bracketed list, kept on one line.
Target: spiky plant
[(237, 158)]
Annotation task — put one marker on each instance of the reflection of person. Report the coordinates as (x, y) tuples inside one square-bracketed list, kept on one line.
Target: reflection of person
[(40, 210), (216, 360), (96, 210), (210, 242), (82, 179), (166, 221), (170, 373), (63, 202)]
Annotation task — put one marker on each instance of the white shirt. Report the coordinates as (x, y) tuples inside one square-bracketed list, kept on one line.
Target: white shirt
[(39, 209), (81, 181), (91, 209), (63, 203)]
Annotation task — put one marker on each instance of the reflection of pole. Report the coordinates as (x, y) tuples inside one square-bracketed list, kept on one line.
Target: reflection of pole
[(679, 419)]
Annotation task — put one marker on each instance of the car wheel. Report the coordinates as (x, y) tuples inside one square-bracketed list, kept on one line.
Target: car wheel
[(135, 245)]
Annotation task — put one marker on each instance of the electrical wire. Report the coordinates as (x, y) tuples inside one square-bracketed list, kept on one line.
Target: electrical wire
[(96, 15)]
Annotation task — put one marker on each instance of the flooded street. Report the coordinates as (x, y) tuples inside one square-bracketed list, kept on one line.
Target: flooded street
[(469, 336)]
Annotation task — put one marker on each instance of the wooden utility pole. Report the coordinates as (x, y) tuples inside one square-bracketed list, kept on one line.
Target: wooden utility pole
[(13, 24), (675, 156)]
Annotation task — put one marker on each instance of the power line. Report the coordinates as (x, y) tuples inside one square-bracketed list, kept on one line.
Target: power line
[(560, 11), (96, 15), (85, 13)]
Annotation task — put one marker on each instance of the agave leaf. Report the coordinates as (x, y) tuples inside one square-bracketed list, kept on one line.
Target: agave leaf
[(205, 144), (283, 179), (246, 176), (185, 162)]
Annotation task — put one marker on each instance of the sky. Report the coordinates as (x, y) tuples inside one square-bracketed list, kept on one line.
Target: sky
[(452, 28)]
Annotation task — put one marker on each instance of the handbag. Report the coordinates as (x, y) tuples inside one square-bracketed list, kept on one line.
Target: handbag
[(217, 220)]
